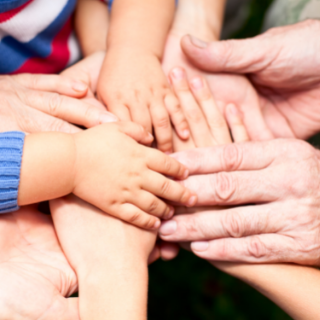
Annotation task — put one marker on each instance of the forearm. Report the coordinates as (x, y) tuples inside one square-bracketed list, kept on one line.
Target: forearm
[(295, 289), (91, 25), (47, 167), (201, 18), (140, 25)]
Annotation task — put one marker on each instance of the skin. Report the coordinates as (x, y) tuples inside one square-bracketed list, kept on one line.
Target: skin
[(89, 163), (35, 103), (35, 274), (132, 84), (287, 93)]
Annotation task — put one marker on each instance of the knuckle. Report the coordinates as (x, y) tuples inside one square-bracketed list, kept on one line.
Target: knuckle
[(233, 225), (54, 103), (90, 116), (223, 249), (256, 248), (162, 122), (167, 164), (224, 186), (134, 217), (194, 115), (231, 157), (59, 126), (153, 206), (165, 187)]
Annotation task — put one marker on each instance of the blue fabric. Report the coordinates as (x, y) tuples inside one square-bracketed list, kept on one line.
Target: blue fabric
[(11, 148), (6, 5)]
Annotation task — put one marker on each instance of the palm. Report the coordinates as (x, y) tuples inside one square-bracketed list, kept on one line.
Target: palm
[(34, 273)]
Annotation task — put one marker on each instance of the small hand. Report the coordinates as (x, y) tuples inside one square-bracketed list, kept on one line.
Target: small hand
[(288, 92), (121, 177), (34, 273), (133, 87)]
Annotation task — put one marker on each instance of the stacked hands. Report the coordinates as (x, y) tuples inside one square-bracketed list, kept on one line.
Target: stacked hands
[(255, 202)]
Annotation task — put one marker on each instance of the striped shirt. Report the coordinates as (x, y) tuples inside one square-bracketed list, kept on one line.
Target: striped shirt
[(36, 36)]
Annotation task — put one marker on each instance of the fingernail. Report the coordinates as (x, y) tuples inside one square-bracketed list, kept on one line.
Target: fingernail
[(200, 246), (170, 214), (192, 201), (197, 42), (79, 86), (177, 73), (232, 109), (185, 174), (185, 134), (157, 225), (168, 227), (150, 136), (196, 83), (107, 117)]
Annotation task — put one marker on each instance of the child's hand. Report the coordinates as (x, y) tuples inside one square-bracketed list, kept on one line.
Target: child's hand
[(122, 177), (134, 87)]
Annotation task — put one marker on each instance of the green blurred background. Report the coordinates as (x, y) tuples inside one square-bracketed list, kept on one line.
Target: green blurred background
[(188, 288)]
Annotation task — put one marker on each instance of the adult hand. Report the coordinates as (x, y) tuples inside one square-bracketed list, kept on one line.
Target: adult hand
[(284, 67), (280, 176), (34, 103), (34, 273)]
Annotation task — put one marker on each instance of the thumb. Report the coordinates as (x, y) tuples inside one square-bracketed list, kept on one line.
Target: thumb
[(136, 132), (63, 309), (237, 56)]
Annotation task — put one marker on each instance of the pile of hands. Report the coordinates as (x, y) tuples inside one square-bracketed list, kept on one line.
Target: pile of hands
[(264, 87)]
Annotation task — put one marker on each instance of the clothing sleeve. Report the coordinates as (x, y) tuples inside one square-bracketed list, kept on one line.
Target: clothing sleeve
[(11, 149)]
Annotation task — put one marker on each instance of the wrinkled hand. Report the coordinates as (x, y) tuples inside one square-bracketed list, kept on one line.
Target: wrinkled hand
[(33, 103), (280, 176), (283, 65), (34, 273)]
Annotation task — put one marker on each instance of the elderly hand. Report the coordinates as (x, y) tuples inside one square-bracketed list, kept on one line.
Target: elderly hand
[(280, 176), (34, 273), (284, 67), (33, 103)]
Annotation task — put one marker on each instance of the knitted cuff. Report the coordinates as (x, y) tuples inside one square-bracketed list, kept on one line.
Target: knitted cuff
[(11, 148)]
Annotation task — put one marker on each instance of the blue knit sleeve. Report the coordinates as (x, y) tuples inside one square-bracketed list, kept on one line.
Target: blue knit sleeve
[(11, 148)]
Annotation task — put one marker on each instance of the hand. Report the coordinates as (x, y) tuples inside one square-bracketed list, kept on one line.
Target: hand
[(122, 178), (33, 103), (280, 176), (289, 92), (134, 87), (34, 273)]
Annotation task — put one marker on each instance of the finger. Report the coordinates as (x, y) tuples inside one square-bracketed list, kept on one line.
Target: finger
[(154, 255), (231, 188), (231, 157), (177, 116), (33, 121), (239, 56), (215, 119), (136, 132), (63, 309), (141, 115), (133, 215), (52, 83), (168, 189), (68, 109), (264, 248), (236, 125), (162, 163), (198, 125), (162, 127), (168, 251), (230, 223), (120, 111), (152, 205)]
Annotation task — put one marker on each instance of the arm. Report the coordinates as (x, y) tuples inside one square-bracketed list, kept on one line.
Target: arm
[(294, 288), (91, 25), (110, 260)]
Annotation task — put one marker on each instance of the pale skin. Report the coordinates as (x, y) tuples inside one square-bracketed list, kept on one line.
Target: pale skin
[(294, 288)]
